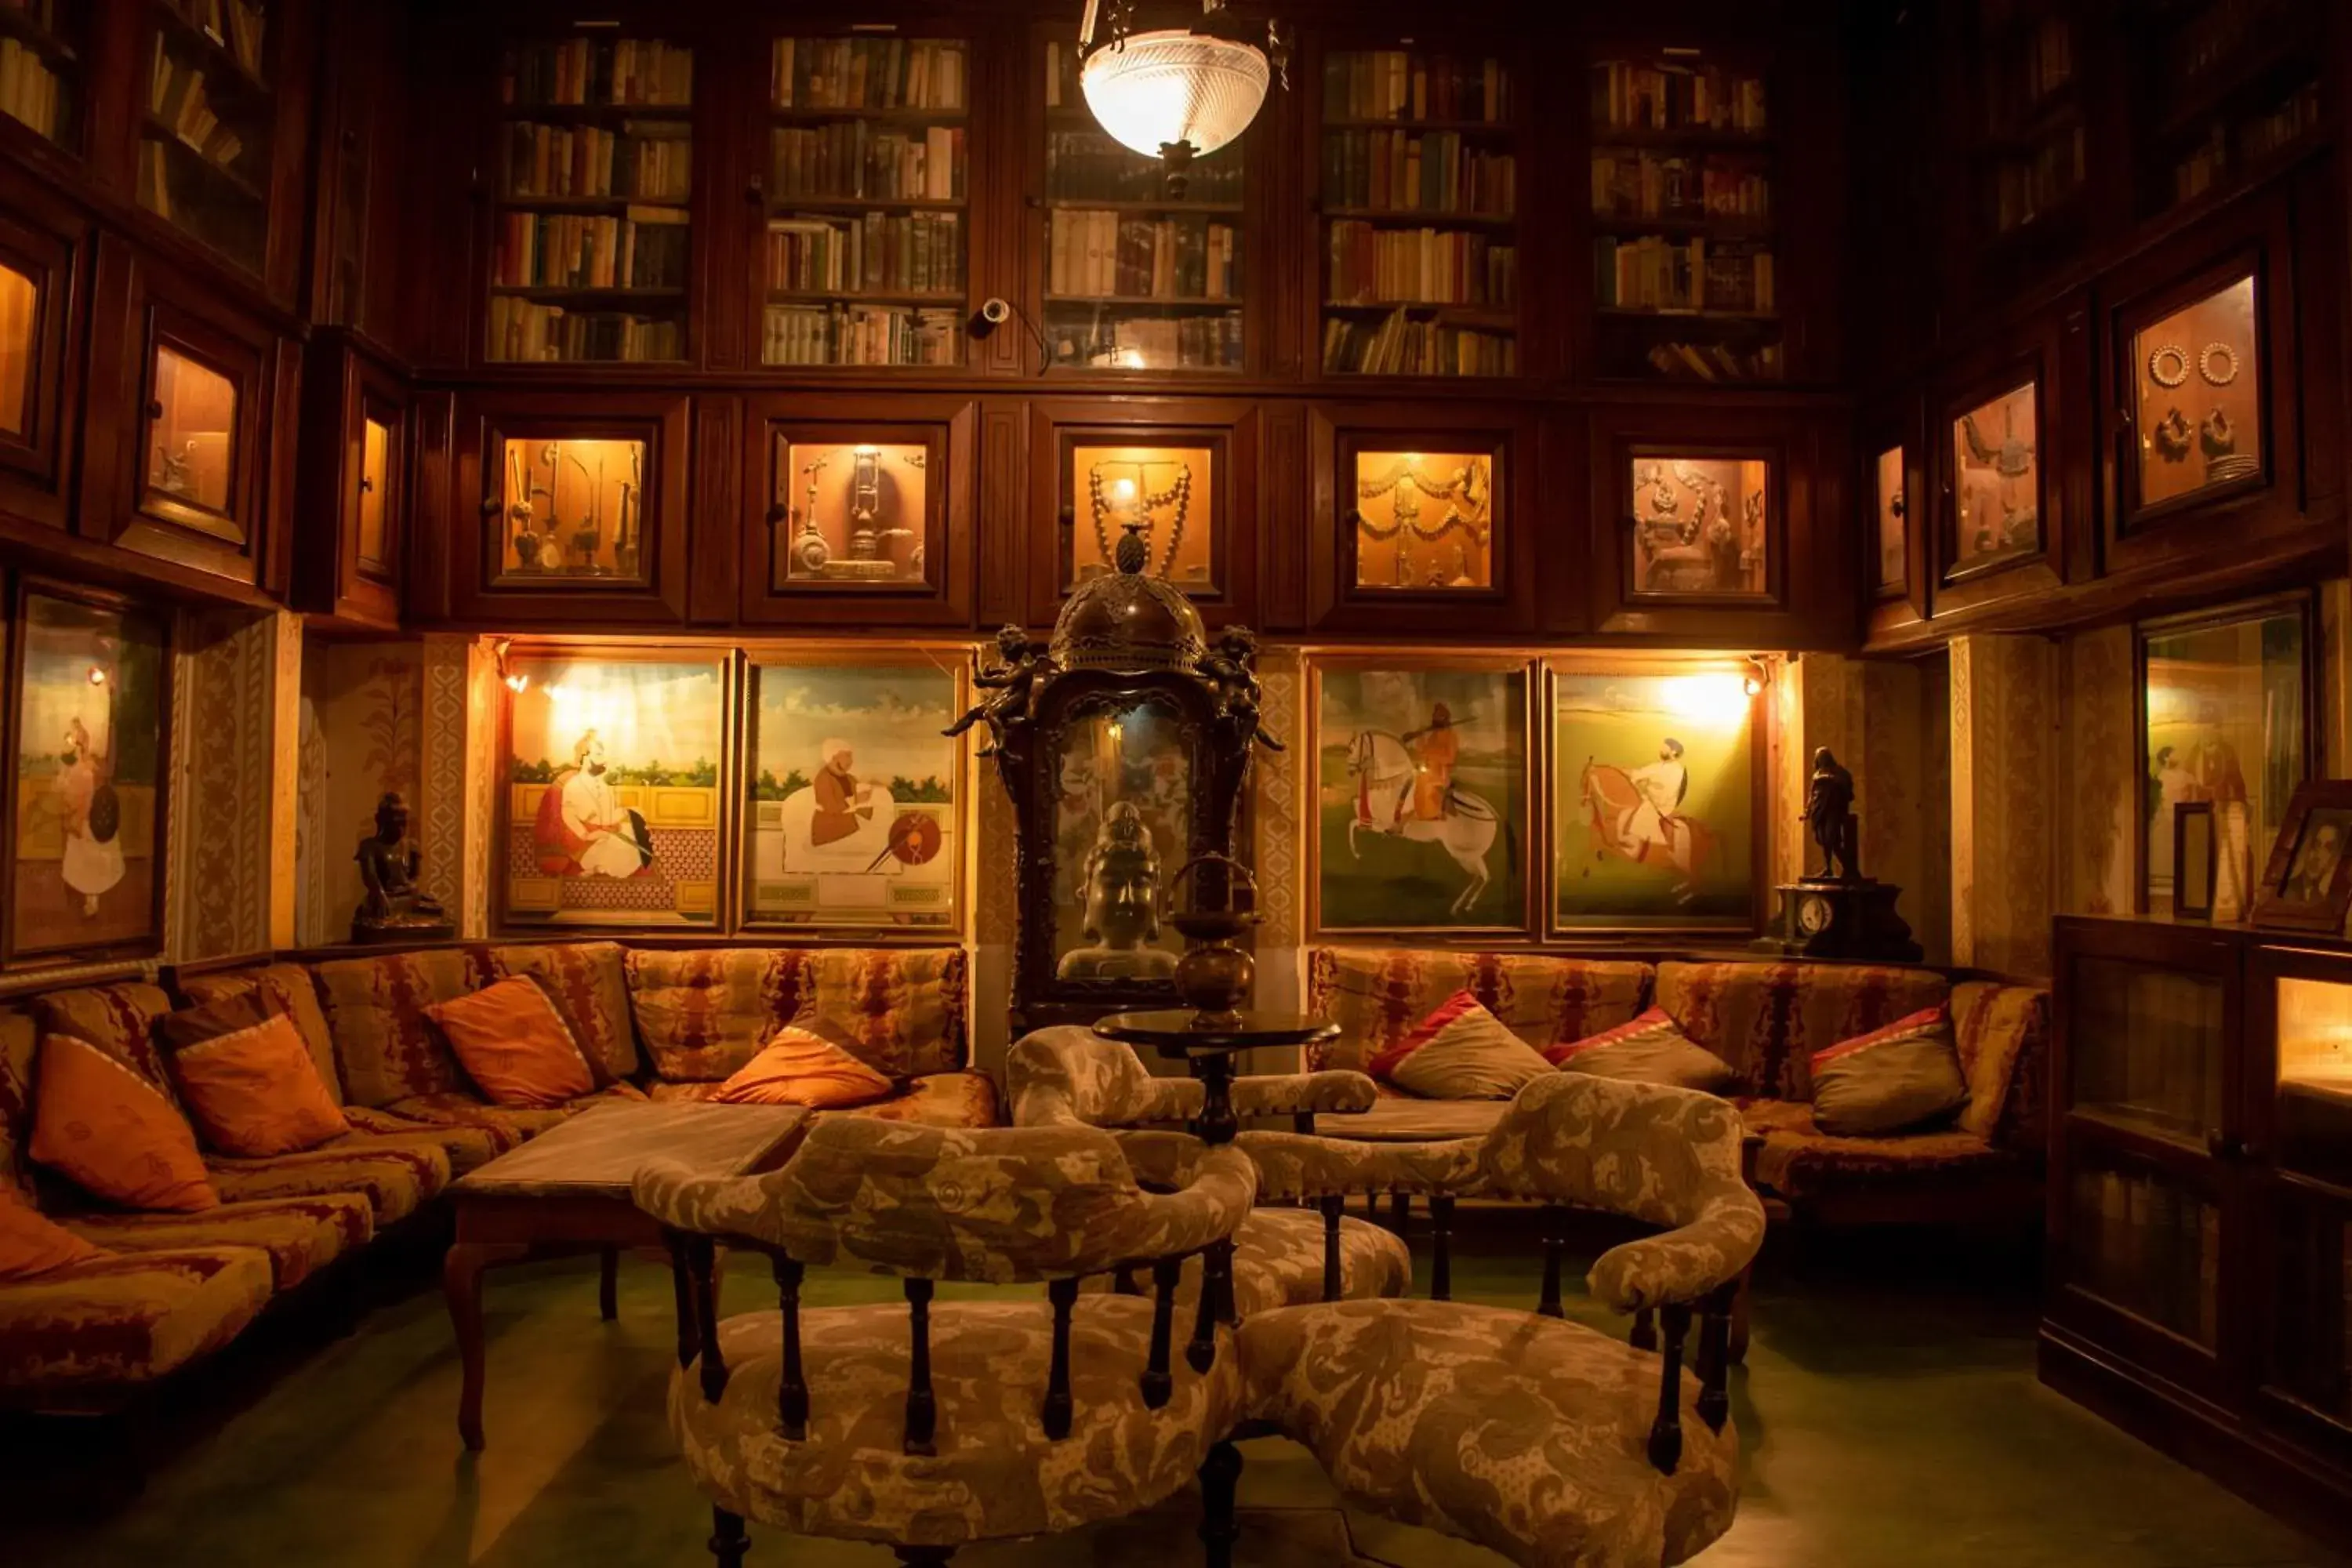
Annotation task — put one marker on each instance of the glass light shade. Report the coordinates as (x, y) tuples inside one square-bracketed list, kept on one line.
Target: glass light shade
[(1155, 90)]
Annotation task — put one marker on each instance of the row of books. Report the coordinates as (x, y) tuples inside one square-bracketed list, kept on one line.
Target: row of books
[(1627, 183), (29, 90), (1399, 345), (851, 160), (2024, 188), (177, 98), (1655, 273), (599, 72), (1397, 84), (868, 73), (1644, 95), (2157, 1055), (237, 25), (1087, 165), (1095, 252), (1431, 170), (2017, 81), (1093, 339), (897, 253), (2212, 36), (1420, 265), (646, 249), (861, 334), (2289, 120), (1680, 361), (526, 329), (649, 162), (2149, 1248)]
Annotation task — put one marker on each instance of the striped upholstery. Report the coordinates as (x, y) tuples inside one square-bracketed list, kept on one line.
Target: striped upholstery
[(1767, 1019), (1376, 995)]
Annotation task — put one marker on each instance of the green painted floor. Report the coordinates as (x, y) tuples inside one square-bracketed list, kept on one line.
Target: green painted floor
[(1883, 1424)]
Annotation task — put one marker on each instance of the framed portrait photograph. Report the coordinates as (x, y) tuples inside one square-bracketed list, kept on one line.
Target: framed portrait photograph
[(2307, 884), (1655, 809), (614, 814), (855, 815), (89, 712), (1422, 796)]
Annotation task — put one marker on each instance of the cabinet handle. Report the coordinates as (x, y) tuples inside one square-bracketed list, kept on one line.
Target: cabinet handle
[(155, 409), (2223, 1147), (367, 485), (492, 505)]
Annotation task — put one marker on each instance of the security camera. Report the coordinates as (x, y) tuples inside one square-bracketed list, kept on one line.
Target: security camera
[(994, 313)]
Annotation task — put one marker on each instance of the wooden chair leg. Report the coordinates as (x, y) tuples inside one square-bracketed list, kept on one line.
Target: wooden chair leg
[(1666, 1432), (1221, 1474), (608, 1282), (925, 1556), (1400, 1211), (1646, 1330), (1737, 1353), (727, 1541)]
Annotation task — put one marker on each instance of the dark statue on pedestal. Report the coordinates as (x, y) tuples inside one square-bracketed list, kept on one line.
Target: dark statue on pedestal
[(1840, 913), (1121, 878), (395, 909)]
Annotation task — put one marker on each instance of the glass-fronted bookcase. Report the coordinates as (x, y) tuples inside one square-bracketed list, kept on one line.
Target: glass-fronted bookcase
[(2200, 1185)]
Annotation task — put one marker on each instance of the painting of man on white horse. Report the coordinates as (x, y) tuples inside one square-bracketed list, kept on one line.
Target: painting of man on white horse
[(1407, 839)]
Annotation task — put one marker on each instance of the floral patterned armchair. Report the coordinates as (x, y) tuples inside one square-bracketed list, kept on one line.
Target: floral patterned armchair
[(932, 1427), (1067, 1076), (1554, 1445)]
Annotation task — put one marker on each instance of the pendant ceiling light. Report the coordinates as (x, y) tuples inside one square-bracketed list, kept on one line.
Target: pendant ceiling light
[(1174, 93)]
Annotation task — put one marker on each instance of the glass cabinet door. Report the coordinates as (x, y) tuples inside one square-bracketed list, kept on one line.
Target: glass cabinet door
[(2148, 1242), (2311, 1093), (1121, 827), (2307, 1345), (2145, 1046)]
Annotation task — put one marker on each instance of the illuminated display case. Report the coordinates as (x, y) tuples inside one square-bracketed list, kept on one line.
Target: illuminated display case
[(1700, 526)]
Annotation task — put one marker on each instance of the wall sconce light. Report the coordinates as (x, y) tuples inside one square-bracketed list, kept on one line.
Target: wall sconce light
[(515, 683), (1759, 677)]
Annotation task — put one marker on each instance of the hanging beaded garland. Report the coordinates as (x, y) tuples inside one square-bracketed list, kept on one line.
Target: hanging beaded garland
[(1178, 496)]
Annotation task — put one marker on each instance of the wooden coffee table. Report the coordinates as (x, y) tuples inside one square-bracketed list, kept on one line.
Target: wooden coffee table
[(567, 1190)]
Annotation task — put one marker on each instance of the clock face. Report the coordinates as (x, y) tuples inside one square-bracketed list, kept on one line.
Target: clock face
[(1812, 915)]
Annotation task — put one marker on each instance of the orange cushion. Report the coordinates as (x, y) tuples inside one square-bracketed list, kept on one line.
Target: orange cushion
[(255, 1091), (515, 1045), (32, 1244), (113, 1133), (799, 1067)]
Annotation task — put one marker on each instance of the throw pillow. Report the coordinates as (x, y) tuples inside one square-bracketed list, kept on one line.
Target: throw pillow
[(1650, 1048), (799, 1067), (255, 1091), (113, 1134), (194, 1026), (32, 1244), (516, 1046), (1895, 1080), (1461, 1051)]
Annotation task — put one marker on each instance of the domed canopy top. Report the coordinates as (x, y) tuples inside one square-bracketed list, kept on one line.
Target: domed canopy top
[(1129, 621)]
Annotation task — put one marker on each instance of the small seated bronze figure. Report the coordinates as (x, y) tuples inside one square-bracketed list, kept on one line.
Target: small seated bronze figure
[(395, 909)]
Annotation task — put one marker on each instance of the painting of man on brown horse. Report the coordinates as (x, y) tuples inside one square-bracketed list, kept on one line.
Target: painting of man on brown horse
[(1627, 823)]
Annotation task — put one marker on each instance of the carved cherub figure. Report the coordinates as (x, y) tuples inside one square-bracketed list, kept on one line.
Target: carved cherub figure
[(1230, 666), (1010, 682)]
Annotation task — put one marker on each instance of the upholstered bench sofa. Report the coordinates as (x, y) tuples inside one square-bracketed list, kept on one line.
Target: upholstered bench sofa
[(170, 1287), (1765, 1019)]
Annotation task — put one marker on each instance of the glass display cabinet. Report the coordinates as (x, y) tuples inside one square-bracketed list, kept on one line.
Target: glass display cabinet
[(1996, 514), (1124, 744), (1701, 526), (42, 64), (208, 122)]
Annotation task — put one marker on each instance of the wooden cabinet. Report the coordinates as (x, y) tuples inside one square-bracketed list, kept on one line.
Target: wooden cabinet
[(352, 485), (44, 256), (2198, 1201), (1995, 434), (190, 447)]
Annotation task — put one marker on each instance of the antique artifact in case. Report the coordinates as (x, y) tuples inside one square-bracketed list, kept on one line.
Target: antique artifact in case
[(573, 513), (1423, 522), (852, 512), (2199, 407), (1996, 482), (1701, 526)]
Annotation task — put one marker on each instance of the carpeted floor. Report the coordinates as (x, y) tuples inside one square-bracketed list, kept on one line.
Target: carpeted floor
[(1889, 1415)]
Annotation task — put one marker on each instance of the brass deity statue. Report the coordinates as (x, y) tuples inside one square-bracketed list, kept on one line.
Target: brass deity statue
[(1122, 894)]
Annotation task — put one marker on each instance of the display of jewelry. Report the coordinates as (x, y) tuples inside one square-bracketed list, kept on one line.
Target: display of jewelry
[(2194, 398), (1114, 500), (1421, 559)]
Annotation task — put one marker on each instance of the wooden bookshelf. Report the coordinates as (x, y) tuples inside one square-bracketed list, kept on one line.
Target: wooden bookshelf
[(866, 201), (1135, 278), (592, 238), (2225, 90), (2031, 141), (208, 122), (1418, 164), (1683, 218), (42, 67)]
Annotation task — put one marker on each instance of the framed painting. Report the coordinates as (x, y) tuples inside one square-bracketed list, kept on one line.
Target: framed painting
[(2306, 885), (2226, 719), (1655, 810), (856, 800), (615, 813), (1422, 795), (90, 714)]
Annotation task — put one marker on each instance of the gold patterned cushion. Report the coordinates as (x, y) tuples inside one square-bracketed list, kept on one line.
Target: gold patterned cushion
[(590, 984), (899, 1010), (118, 1019), (2003, 1036), (19, 1044), (704, 1012), (996, 1474), (1768, 1019), (940, 1100), (1796, 1161), (1378, 994), (1903, 1078), (1525, 1435), (376, 1010), (510, 1125), (283, 987), (466, 1147), (396, 1179), (76, 1338), (1652, 1048), (301, 1236)]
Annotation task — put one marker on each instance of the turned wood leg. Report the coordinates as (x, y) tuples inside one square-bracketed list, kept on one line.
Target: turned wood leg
[(925, 1556), (727, 1541), (608, 1282), (1737, 1349), (1646, 1330), (681, 1283), (461, 1284), (1221, 1475), (1400, 1211)]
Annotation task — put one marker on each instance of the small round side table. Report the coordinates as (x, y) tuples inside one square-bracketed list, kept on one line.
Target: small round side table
[(1208, 1043)]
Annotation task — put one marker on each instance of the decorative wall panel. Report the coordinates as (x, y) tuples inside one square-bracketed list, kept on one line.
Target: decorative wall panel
[(2004, 711)]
